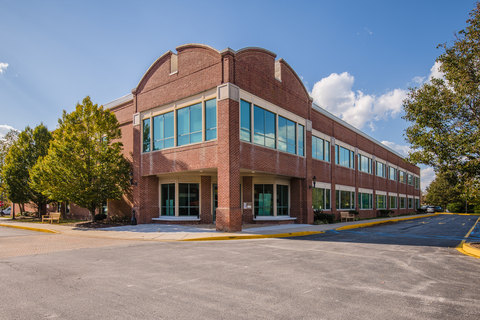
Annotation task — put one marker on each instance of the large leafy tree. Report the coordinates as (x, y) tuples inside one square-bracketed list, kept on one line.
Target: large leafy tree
[(442, 191), (84, 164), (22, 156), (445, 112), (5, 143)]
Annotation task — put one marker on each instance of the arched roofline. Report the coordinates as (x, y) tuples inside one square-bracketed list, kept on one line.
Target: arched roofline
[(163, 56), (255, 49), (196, 45), (296, 75)]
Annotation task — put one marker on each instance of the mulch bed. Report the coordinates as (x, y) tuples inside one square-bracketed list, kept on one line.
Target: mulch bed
[(97, 224), (475, 245)]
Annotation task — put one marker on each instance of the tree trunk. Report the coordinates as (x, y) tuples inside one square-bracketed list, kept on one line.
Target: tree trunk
[(92, 215)]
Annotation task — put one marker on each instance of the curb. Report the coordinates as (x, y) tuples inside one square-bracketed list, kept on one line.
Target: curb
[(258, 236), (465, 248), (369, 224), (29, 228)]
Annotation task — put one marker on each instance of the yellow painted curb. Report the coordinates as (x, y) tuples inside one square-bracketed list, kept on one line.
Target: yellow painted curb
[(471, 250), (256, 236), (368, 224), (28, 228), (465, 248)]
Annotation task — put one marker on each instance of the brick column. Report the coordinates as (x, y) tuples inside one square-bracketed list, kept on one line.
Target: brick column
[(228, 214), (247, 197), (206, 216)]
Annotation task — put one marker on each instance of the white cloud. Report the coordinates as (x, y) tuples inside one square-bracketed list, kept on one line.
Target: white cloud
[(402, 149), (427, 175), (4, 130), (435, 71), (3, 67), (419, 80), (335, 94)]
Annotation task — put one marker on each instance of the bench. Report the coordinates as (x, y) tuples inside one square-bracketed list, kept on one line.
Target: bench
[(346, 215), (51, 216)]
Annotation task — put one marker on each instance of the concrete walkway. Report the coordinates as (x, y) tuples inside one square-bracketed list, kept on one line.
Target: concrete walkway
[(158, 232)]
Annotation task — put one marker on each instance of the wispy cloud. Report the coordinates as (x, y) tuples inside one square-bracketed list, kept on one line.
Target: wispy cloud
[(334, 93), (402, 149), (427, 175), (4, 130), (434, 73), (3, 67)]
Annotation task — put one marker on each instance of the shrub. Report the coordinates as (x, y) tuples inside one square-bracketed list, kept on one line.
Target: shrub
[(321, 217), (100, 216), (385, 212), (122, 218), (412, 213), (355, 212), (456, 207)]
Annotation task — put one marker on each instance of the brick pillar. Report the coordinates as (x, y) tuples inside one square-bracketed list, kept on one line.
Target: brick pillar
[(136, 170), (206, 216), (228, 214), (247, 197)]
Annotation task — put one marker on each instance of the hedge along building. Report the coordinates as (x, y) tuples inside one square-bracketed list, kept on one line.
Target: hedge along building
[(234, 137)]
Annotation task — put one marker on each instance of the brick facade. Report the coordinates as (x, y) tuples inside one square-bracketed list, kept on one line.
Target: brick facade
[(197, 73)]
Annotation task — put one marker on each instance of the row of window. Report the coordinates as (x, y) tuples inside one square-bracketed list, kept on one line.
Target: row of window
[(289, 138), (181, 127), (345, 200)]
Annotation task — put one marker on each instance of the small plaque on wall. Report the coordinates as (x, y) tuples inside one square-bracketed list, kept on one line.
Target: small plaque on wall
[(247, 205)]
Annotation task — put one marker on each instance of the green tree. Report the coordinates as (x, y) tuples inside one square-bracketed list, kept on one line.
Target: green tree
[(442, 191), (84, 164), (445, 112), (23, 154)]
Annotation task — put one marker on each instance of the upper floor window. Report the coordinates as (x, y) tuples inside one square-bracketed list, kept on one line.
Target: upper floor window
[(364, 164), (301, 139), (392, 173), (320, 149), (146, 135), (271, 130), (163, 131), (410, 179), (287, 135), (264, 132), (245, 121), (344, 157), (189, 124), (381, 169), (210, 119), (417, 183), (402, 176), (195, 123)]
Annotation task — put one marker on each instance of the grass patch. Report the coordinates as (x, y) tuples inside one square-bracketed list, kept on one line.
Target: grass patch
[(66, 221)]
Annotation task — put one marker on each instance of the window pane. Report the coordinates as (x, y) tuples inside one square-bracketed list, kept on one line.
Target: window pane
[(182, 122), (196, 117), (258, 120), (158, 128), (282, 129), (211, 114), (327, 151), (291, 135), (327, 199), (211, 134), (263, 199), (269, 125), (183, 194), (245, 115), (169, 126), (146, 135), (301, 142)]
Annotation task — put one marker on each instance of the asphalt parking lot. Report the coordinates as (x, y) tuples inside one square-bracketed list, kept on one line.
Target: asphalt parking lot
[(394, 271)]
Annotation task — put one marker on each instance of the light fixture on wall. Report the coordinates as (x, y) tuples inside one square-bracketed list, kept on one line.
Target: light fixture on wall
[(314, 179), (131, 178)]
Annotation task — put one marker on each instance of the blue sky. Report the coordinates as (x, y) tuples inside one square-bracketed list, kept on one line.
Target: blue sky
[(357, 58)]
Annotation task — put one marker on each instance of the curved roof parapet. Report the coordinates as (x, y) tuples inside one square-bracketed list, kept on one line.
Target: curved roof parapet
[(244, 50), (349, 126), (296, 75), (168, 53), (118, 101), (196, 45)]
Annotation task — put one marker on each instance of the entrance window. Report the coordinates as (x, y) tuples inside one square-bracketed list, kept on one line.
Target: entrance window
[(282, 200), (188, 199), (263, 199), (168, 199)]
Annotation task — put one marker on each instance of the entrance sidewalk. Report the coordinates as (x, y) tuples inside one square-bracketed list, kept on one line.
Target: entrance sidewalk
[(158, 232)]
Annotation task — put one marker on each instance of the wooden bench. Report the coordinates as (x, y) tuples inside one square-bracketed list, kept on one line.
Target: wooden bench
[(346, 215), (51, 216)]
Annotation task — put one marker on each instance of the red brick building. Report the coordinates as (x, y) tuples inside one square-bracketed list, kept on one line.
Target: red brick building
[(234, 137)]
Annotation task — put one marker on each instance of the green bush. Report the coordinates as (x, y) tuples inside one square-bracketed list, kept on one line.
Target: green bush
[(385, 212), (122, 218), (100, 216), (320, 217), (355, 212)]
